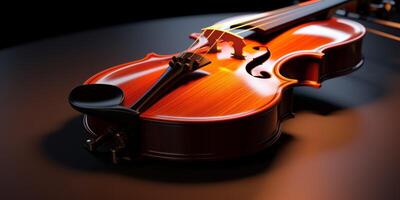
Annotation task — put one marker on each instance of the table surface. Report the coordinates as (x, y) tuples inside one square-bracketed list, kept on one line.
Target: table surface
[(343, 143)]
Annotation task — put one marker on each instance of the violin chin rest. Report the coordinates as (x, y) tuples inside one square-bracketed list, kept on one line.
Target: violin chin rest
[(96, 95), (101, 100)]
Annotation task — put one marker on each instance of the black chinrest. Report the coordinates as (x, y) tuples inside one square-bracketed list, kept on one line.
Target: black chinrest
[(101, 100)]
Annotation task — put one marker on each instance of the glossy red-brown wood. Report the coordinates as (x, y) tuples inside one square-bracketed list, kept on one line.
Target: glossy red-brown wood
[(227, 91), (189, 122)]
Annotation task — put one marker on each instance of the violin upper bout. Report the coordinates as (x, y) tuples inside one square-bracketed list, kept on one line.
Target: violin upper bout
[(336, 51)]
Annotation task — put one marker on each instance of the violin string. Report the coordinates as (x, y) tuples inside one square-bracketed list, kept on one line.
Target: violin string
[(212, 32), (198, 38), (215, 43), (258, 26), (252, 28), (274, 21), (237, 27)]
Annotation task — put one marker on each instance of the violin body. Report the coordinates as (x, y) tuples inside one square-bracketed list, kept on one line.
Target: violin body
[(231, 107)]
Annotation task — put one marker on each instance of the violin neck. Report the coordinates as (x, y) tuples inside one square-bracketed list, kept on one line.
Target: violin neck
[(274, 20)]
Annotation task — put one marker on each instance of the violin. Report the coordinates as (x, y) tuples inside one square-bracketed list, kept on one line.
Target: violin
[(226, 95)]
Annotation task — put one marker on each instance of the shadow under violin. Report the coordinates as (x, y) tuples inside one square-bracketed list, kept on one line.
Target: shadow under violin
[(65, 147)]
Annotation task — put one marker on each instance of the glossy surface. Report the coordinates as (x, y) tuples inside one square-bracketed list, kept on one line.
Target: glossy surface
[(344, 142), (224, 89)]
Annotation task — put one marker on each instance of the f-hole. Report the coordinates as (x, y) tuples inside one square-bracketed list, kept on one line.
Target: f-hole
[(257, 62)]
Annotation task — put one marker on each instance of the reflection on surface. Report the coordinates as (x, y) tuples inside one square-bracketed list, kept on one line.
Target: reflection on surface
[(318, 156), (343, 143), (70, 135)]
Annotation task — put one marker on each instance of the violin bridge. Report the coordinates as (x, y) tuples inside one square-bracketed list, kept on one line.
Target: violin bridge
[(215, 35)]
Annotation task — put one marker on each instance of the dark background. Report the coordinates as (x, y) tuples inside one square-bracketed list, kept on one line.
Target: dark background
[(343, 143), (24, 21)]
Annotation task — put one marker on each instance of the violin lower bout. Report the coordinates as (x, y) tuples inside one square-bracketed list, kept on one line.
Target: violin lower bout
[(219, 140)]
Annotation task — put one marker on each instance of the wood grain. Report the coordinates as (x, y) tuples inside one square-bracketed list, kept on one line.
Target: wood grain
[(225, 90)]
